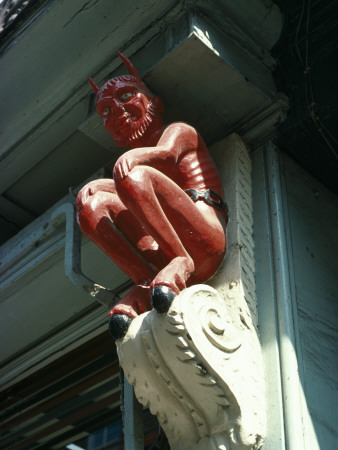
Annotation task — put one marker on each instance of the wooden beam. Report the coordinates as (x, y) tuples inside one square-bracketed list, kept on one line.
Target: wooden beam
[(57, 370), (68, 420), (58, 398)]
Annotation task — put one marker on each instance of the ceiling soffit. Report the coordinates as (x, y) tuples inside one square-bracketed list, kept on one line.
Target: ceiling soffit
[(44, 80), (175, 48)]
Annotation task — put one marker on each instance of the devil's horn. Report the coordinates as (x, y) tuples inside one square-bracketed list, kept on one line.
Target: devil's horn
[(129, 66), (93, 85)]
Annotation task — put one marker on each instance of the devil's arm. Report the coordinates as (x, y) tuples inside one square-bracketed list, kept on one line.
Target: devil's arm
[(176, 140)]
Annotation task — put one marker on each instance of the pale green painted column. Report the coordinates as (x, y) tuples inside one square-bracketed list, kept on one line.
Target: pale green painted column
[(296, 276)]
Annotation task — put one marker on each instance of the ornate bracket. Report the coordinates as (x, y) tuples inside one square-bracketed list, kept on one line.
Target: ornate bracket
[(197, 371)]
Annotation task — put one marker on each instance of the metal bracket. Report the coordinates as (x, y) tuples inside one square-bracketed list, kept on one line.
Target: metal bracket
[(72, 261), (132, 419)]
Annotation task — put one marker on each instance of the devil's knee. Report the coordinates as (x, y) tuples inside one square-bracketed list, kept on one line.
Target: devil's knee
[(85, 207), (104, 185), (136, 184), (81, 200), (96, 201)]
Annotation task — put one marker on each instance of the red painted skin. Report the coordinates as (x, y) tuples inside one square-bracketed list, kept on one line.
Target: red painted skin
[(142, 219)]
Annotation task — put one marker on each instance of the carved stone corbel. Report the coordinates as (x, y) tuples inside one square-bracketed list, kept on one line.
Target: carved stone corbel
[(199, 367)]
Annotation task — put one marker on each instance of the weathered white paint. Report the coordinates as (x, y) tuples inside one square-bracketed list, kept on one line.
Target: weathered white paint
[(267, 308), (285, 317), (313, 246), (289, 224)]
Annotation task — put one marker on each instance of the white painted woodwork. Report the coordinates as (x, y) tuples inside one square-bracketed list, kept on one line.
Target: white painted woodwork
[(295, 221), (313, 248)]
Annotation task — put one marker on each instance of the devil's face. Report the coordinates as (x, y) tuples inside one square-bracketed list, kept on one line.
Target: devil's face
[(127, 109)]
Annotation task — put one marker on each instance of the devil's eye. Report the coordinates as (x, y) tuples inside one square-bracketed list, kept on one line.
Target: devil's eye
[(106, 111), (126, 95)]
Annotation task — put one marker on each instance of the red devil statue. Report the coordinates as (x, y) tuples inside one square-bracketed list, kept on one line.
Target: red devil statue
[(161, 217)]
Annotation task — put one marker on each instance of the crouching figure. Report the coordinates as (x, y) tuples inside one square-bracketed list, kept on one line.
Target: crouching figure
[(161, 218)]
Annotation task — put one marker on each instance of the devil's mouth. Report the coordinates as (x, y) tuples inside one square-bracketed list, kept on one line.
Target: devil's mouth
[(126, 119)]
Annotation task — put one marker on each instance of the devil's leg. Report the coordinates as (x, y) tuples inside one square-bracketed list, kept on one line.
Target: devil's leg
[(136, 302), (191, 236), (101, 214), (98, 213)]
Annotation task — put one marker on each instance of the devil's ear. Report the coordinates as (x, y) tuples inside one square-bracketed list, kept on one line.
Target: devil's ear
[(130, 67), (93, 85)]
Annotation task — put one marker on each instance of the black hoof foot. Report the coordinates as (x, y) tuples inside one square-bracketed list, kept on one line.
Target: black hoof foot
[(118, 325), (161, 298)]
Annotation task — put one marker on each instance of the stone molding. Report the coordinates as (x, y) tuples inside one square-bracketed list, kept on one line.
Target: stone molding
[(199, 367)]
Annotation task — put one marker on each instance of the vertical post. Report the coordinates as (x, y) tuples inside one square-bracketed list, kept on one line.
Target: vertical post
[(133, 419), (293, 414)]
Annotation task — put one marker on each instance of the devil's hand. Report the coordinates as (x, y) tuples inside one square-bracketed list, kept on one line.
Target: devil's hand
[(123, 166)]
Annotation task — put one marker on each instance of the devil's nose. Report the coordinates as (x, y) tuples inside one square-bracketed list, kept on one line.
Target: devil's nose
[(116, 105)]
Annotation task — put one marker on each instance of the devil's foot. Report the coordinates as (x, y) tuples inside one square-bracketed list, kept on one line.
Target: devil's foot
[(118, 325), (161, 298), (175, 274), (169, 282), (136, 302)]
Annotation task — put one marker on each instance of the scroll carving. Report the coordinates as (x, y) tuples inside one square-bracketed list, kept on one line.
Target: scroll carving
[(190, 367)]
